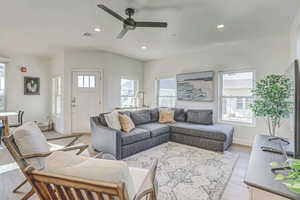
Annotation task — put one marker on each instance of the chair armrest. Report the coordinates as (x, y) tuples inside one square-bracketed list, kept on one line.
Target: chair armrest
[(149, 186), (81, 148), (104, 139), (75, 136)]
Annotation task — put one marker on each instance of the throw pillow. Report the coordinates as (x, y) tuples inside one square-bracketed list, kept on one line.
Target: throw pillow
[(126, 123), (200, 116), (30, 140), (112, 120), (166, 116)]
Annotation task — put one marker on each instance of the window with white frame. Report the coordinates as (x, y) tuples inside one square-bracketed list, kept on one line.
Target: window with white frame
[(2, 86), (86, 81), (56, 95), (166, 92), (129, 90), (236, 97)]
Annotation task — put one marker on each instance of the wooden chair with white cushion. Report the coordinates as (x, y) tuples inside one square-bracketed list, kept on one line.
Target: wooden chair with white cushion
[(28, 146), (71, 177)]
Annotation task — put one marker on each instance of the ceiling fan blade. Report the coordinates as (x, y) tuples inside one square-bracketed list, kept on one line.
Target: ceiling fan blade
[(152, 24), (122, 33), (111, 12)]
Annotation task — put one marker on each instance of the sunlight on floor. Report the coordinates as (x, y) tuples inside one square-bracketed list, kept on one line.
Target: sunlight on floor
[(8, 167)]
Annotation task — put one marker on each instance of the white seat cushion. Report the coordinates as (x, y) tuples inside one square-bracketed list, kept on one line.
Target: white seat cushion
[(30, 140), (111, 171)]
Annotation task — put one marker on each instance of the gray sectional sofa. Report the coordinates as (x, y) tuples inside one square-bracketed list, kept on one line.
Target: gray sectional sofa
[(192, 127)]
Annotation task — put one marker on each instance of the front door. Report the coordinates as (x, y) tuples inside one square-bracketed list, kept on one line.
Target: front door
[(86, 99)]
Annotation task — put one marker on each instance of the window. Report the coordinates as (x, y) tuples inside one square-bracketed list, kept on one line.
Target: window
[(2, 87), (128, 93), (56, 95), (86, 81), (166, 92), (236, 96)]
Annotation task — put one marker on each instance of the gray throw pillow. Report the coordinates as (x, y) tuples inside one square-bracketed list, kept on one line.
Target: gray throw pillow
[(179, 114), (141, 117), (154, 114), (200, 116)]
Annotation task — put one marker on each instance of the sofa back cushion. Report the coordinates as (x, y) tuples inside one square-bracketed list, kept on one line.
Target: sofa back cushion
[(154, 114), (141, 117), (200, 116), (102, 120), (179, 114)]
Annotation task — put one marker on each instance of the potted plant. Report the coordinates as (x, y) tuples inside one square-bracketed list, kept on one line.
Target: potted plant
[(272, 100)]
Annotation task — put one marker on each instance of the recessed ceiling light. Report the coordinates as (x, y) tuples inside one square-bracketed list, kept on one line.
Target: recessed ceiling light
[(97, 29), (143, 47), (220, 26)]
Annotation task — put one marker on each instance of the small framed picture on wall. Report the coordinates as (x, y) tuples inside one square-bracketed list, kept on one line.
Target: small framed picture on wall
[(31, 85)]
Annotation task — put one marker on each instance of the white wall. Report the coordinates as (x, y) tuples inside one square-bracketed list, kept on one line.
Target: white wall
[(36, 107), (295, 38), (268, 55), (114, 67)]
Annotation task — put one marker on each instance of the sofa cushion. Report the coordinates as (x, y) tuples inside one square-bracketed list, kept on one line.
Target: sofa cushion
[(179, 115), (102, 120), (154, 114), (135, 135), (141, 117), (218, 132), (200, 116), (156, 129)]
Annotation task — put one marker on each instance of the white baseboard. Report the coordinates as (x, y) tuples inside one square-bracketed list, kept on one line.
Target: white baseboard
[(242, 142)]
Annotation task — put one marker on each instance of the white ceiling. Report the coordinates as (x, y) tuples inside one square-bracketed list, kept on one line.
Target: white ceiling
[(41, 27)]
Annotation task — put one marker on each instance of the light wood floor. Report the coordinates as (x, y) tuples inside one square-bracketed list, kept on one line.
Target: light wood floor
[(10, 176)]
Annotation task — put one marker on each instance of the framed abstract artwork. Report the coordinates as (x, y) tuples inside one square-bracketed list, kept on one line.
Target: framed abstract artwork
[(31, 85), (198, 86)]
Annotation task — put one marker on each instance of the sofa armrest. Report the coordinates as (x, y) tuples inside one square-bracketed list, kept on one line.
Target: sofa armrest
[(104, 139)]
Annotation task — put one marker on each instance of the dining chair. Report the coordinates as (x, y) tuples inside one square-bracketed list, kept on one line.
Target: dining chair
[(20, 120), (21, 159)]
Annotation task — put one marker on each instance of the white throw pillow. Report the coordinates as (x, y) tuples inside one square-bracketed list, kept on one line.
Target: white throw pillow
[(30, 140), (112, 120), (111, 171)]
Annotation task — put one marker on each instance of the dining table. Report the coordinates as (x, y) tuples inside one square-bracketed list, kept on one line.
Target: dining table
[(4, 118)]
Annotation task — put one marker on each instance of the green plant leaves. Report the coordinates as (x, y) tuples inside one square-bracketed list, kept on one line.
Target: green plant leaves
[(292, 180), (272, 98)]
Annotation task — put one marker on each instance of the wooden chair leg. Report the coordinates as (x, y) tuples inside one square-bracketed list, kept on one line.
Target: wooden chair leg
[(19, 186), (28, 195)]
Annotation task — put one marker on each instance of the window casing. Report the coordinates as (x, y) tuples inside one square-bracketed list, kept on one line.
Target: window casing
[(129, 89), (2, 87), (236, 96), (166, 92), (56, 95)]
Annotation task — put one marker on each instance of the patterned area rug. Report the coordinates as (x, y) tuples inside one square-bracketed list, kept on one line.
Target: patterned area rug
[(187, 173)]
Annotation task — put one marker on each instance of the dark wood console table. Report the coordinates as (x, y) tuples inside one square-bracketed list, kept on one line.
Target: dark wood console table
[(259, 176)]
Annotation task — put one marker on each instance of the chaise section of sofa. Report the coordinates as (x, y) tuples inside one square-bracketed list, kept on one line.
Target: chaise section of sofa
[(216, 137), (193, 127)]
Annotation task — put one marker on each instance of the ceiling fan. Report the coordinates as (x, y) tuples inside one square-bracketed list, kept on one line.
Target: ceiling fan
[(129, 23)]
